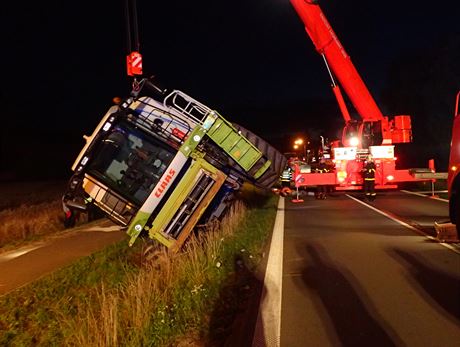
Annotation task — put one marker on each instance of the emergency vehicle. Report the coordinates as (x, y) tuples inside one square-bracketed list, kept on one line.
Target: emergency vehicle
[(445, 231), (372, 134)]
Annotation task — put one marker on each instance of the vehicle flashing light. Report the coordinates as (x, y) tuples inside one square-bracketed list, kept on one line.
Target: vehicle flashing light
[(126, 103), (341, 175), (390, 178), (106, 126), (453, 168), (84, 160), (354, 141)]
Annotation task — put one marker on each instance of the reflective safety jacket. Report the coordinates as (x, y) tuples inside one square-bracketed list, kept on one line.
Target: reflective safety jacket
[(369, 171), (286, 176)]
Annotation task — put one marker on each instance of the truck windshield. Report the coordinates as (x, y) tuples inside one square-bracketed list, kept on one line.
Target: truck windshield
[(130, 162)]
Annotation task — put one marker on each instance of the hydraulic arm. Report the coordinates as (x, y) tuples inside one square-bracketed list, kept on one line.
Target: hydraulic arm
[(374, 128)]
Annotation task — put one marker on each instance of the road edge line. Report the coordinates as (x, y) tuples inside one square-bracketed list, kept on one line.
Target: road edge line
[(268, 325), (418, 231)]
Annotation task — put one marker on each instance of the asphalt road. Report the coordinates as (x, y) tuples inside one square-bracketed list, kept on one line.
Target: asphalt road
[(354, 277), (21, 266), (412, 209)]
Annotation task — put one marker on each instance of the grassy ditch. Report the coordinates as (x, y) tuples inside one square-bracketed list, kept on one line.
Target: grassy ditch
[(30, 222), (27, 222), (30, 210), (125, 296)]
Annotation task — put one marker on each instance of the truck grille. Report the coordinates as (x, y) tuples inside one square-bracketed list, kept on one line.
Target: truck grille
[(191, 202), (117, 208)]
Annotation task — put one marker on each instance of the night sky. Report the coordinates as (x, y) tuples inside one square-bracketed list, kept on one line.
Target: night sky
[(249, 59)]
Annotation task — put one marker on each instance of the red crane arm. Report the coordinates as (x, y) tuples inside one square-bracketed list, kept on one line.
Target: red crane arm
[(327, 44)]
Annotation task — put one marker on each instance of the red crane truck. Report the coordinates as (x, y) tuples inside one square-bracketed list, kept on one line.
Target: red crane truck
[(446, 230), (373, 134)]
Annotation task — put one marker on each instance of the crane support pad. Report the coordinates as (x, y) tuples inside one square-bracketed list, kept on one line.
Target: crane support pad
[(431, 175)]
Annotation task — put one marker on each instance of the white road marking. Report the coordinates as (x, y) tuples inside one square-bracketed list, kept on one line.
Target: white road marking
[(14, 254), (448, 246), (424, 195), (268, 326), (107, 229), (24, 250)]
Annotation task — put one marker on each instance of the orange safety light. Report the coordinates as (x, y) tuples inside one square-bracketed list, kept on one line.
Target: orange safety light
[(431, 165), (134, 64), (341, 176)]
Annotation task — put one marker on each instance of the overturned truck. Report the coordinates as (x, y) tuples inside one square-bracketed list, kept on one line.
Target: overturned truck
[(159, 162)]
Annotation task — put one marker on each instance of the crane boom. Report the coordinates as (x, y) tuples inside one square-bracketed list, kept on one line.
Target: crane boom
[(373, 123), (326, 43)]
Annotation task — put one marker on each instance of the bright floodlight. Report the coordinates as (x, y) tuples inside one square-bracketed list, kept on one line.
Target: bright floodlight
[(354, 142)]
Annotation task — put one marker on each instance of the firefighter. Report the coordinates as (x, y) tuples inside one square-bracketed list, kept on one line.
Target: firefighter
[(286, 177), (321, 191), (369, 178)]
